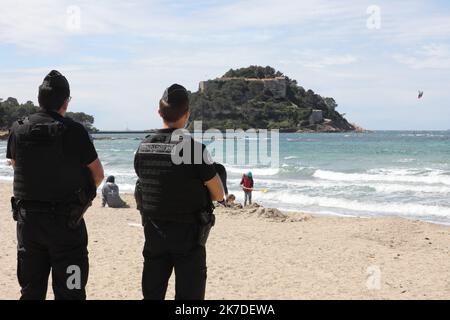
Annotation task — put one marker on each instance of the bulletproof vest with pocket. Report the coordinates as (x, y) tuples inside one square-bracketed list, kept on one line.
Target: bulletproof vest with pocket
[(170, 191), (43, 172)]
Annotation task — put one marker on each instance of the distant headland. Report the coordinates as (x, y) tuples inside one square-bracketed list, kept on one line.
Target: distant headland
[(254, 97), (261, 97)]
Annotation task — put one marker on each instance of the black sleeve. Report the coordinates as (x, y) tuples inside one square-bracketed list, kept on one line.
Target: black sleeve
[(222, 172), (84, 144), (206, 169), (11, 147), (136, 162)]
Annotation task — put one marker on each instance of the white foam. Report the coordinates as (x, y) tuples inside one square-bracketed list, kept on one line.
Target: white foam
[(406, 160), (389, 188), (340, 176), (121, 173), (126, 187), (431, 135), (409, 171), (402, 209), (255, 171), (324, 184)]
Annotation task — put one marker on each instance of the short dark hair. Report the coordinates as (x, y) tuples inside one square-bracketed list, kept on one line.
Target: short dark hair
[(53, 91), (174, 103)]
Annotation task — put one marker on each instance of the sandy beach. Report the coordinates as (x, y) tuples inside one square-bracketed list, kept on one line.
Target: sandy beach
[(262, 254)]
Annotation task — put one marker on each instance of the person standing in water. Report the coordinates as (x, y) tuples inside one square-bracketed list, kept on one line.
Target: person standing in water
[(247, 186)]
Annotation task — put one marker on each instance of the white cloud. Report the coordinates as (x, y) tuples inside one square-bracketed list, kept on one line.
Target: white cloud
[(126, 52), (42, 24), (331, 61), (315, 59), (434, 56)]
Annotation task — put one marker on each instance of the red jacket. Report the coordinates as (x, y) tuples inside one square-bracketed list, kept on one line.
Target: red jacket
[(247, 181)]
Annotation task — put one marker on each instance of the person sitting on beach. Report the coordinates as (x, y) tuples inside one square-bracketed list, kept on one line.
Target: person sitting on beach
[(231, 199), (231, 202), (111, 196), (247, 186)]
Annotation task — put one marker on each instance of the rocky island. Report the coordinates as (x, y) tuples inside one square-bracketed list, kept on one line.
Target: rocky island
[(261, 97)]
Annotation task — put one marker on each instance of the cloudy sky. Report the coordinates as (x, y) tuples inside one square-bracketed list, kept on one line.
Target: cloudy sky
[(371, 56)]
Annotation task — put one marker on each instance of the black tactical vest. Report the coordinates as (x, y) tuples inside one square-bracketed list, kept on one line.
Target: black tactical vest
[(42, 170), (170, 191)]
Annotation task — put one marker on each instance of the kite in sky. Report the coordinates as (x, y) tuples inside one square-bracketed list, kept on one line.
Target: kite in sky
[(420, 95)]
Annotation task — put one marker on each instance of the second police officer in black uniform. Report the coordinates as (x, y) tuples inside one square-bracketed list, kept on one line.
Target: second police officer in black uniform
[(175, 199), (56, 173)]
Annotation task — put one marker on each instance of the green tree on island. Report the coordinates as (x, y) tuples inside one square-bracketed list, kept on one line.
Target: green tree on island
[(11, 110), (253, 72), (83, 118)]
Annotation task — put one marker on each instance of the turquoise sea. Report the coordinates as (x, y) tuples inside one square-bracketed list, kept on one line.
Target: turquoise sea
[(382, 173)]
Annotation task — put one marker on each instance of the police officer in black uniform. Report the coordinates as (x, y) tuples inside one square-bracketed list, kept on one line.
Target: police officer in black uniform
[(56, 173), (174, 198)]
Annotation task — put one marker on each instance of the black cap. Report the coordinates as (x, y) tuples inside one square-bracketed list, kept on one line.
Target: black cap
[(55, 81), (176, 95)]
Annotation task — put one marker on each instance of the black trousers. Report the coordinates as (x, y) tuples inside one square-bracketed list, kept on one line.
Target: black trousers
[(46, 243), (168, 246)]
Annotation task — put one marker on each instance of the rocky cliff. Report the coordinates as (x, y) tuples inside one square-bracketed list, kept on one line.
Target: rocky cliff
[(260, 97)]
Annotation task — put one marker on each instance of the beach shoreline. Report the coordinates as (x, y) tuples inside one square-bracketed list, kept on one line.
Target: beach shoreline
[(260, 253), (344, 174)]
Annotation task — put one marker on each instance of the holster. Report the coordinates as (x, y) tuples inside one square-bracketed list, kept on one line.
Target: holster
[(81, 202), (78, 208), (15, 208), (138, 198), (207, 221)]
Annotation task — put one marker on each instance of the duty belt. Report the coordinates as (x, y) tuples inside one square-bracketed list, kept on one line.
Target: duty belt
[(41, 206)]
